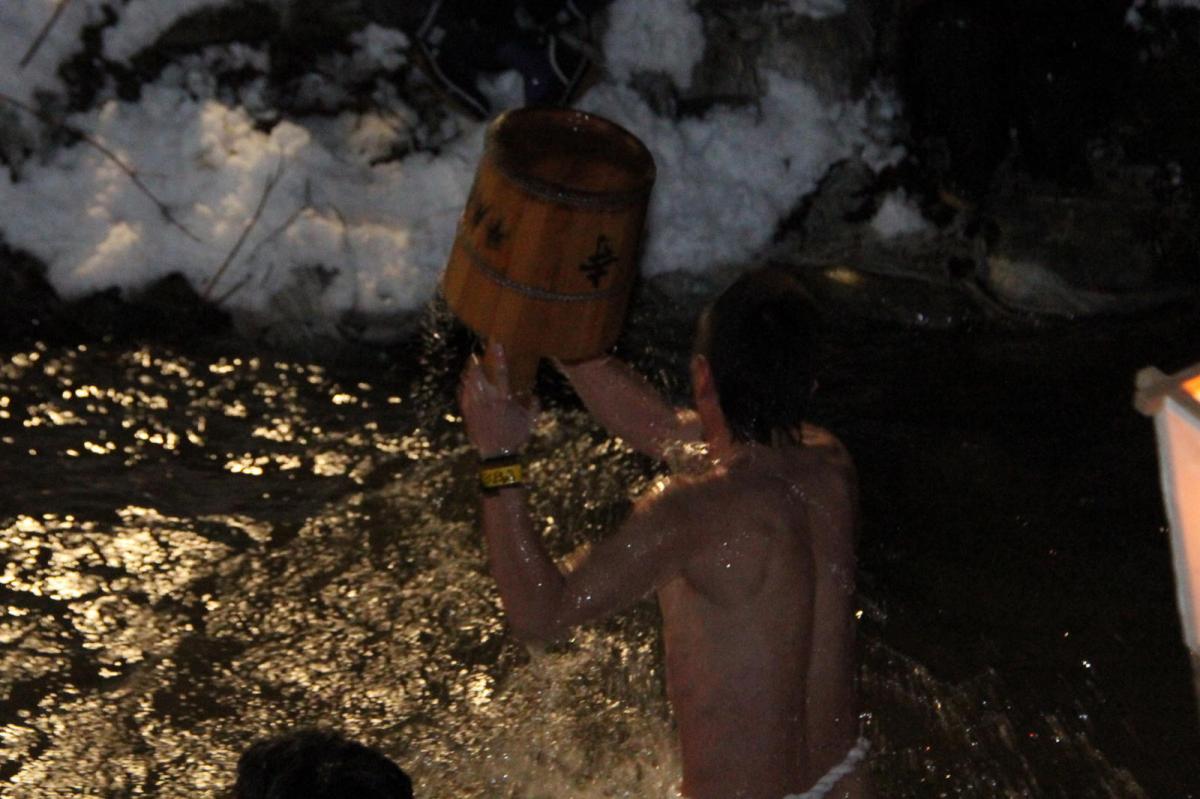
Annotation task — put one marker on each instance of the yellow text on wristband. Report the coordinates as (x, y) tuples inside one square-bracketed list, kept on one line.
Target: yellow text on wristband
[(497, 473)]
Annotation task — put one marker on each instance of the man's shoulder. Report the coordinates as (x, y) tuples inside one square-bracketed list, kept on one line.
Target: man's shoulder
[(689, 488), (696, 501), (714, 497), (822, 466), (827, 445)]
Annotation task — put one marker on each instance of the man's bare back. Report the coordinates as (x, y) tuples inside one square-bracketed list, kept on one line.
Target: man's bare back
[(752, 619)]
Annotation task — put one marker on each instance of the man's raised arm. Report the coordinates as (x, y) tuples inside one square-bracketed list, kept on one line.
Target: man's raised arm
[(628, 407), (540, 601)]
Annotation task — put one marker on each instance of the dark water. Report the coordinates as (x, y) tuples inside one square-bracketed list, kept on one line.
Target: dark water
[(205, 544)]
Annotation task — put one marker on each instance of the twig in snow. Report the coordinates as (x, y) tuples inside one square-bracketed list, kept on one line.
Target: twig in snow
[(43, 33), (110, 155), (287, 223), (234, 289), (351, 260), (268, 187)]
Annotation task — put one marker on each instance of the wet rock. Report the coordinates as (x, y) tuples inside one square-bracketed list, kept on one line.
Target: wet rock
[(1099, 243), (250, 22), (1034, 251), (167, 310), (834, 53), (173, 302), (744, 41), (1030, 286), (913, 279), (1128, 243), (294, 30), (28, 303)]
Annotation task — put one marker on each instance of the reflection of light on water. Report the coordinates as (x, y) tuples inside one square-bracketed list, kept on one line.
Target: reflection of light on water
[(288, 462), (224, 366), (180, 630), (414, 447), (479, 689), (331, 464), (166, 440), (48, 413), (248, 464), (844, 275), (59, 557), (236, 409), (280, 430)]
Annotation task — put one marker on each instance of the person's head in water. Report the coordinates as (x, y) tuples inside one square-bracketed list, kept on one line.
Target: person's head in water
[(318, 764), (758, 339)]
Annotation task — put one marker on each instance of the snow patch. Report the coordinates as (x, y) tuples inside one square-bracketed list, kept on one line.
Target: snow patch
[(898, 215), (382, 232), (818, 9), (653, 36)]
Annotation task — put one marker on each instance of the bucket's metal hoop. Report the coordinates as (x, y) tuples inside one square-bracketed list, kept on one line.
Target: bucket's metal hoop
[(532, 292)]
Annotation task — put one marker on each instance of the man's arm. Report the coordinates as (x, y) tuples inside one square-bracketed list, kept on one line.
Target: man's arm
[(540, 601), (630, 408)]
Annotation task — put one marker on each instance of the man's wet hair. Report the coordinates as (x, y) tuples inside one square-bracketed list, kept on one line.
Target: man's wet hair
[(318, 764), (759, 337)]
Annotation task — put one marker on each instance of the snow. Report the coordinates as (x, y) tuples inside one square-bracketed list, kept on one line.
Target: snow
[(653, 36), (382, 229), (818, 9), (342, 227), (20, 23), (898, 215), (1133, 16)]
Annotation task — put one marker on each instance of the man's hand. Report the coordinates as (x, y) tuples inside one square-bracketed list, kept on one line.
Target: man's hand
[(497, 422)]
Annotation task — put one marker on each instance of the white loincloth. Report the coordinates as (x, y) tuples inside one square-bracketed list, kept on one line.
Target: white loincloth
[(823, 786)]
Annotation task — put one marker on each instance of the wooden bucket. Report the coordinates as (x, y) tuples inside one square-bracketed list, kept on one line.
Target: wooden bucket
[(547, 246)]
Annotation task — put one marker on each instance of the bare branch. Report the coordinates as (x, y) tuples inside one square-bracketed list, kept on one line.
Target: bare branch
[(234, 289), (287, 223), (280, 228), (268, 187), (110, 155), (43, 33)]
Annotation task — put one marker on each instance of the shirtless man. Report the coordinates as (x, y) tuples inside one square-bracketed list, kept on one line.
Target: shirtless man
[(752, 558)]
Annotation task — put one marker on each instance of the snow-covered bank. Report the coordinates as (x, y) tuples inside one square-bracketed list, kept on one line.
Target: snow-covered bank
[(307, 206), (378, 232)]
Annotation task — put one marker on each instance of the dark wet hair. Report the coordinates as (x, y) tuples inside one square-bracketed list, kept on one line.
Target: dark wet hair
[(318, 764), (759, 338)]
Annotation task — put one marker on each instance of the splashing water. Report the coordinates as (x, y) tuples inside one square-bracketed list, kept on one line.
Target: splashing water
[(201, 549)]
